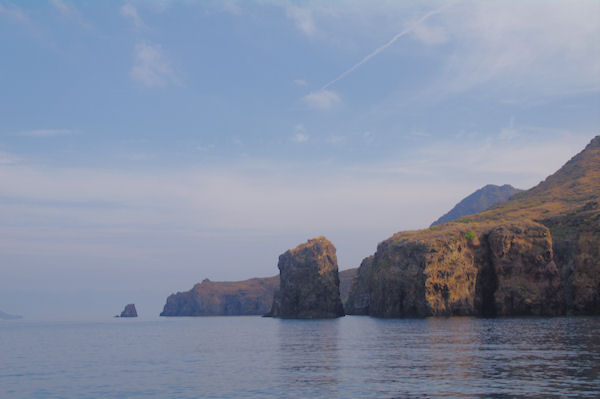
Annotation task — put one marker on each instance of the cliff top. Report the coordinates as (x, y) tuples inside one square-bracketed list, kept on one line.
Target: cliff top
[(573, 187)]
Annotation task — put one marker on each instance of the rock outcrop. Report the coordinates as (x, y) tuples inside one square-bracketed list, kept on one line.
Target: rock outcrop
[(535, 254), (129, 311), (479, 201), (235, 298), (309, 282), (229, 298)]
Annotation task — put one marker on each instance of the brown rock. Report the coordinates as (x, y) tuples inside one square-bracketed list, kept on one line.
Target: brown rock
[(309, 282)]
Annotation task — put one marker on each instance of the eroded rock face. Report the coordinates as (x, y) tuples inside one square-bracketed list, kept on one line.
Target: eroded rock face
[(129, 311), (230, 298), (309, 282), (527, 278), (504, 270), (576, 244)]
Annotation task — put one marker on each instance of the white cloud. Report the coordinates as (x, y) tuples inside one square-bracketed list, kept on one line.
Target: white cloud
[(322, 99), (300, 135), (47, 132), (509, 132), (72, 12), (8, 158), (300, 138), (300, 82), (129, 11), (151, 68), (537, 49), (14, 12), (336, 139), (303, 19), (428, 34)]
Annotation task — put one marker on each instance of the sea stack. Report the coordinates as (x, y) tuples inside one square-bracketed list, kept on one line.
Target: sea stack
[(129, 311), (309, 285)]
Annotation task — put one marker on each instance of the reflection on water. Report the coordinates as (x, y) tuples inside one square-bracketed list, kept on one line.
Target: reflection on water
[(308, 354), (233, 357)]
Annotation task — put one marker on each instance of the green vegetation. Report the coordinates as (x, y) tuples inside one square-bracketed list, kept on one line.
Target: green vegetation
[(469, 235)]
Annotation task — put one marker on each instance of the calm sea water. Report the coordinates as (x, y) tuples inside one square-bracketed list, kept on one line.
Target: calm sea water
[(253, 357)]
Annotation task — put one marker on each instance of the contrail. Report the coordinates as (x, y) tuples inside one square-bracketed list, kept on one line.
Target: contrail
[(386, 45)]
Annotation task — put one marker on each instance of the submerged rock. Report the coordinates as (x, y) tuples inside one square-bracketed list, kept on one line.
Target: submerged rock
[(309, 282), (129, 311)]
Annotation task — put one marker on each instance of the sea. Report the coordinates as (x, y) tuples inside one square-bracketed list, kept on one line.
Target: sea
[(255, 357)]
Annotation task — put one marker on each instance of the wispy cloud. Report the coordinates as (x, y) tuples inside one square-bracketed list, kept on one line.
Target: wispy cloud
[(322, 99), (130, 12), (303, 19), (7, 158), (525, 49), (300, 82), (430, 35), (47, 132), (70, 11), (151, 67), (14, 12), (300, 135), (378, 50)]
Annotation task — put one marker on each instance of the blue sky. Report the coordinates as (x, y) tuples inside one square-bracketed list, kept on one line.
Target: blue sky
[(146, 145)]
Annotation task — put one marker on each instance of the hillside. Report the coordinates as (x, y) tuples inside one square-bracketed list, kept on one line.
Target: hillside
[(479, 201), (535, 254)]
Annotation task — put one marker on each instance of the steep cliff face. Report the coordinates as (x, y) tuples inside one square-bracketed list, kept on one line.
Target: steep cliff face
[(576, 242), (536, 254), (496, 270), (528, 281), (309, 282), (236, 298)]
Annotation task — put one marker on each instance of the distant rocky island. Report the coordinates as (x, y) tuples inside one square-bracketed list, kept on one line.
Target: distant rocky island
[(533, 252), (479, 201), (7, 316), (309, 283), (129, 311)]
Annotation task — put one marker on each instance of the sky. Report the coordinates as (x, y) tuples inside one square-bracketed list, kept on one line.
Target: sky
[(147, 145)]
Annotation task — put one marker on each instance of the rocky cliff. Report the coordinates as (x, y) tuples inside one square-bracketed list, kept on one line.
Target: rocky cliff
[(535, 254), (479, 201), (226, 298), (235, 298), (309, 282)]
